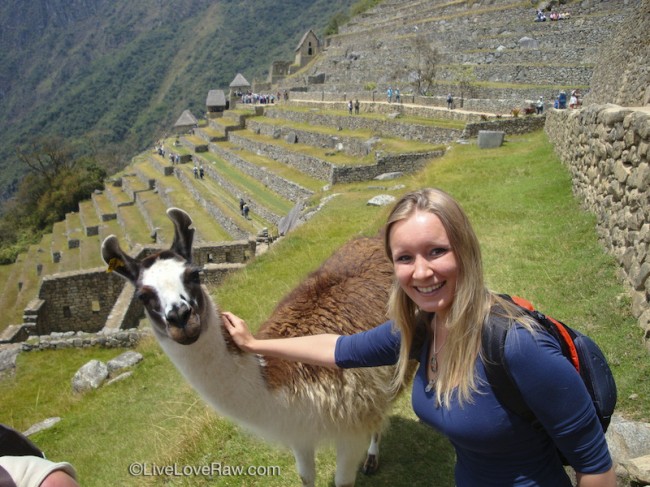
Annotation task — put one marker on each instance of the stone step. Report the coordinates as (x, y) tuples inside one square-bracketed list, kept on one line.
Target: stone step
[(89, 218), (285, 181), (222, 206), (174, 193), (324, 115), (262, 201)]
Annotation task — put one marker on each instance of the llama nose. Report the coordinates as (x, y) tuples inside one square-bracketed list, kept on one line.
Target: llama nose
[(179, 314)]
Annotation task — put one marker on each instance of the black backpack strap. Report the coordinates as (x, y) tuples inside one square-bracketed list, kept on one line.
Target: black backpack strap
[(506, 391), (16, 444)]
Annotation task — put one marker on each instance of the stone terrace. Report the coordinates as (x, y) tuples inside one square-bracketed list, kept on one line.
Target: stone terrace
[(378, 49)]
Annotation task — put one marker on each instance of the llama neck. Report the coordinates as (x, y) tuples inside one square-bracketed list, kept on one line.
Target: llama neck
[(231, 383)]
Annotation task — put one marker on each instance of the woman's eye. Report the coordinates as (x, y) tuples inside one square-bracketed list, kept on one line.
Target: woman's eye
[(403, 259), (437, 252)]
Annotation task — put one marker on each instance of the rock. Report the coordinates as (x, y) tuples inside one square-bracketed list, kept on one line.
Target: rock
[(122, 376), (8, 359), (639, 470), (628, 439), (90, 376), (489, 139), (43, 425), (528, 42), (389, 175), (381, 200), (394, 115), (127, 359), (291, 138)]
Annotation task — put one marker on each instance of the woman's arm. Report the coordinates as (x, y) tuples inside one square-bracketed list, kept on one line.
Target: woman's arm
[(606, 479), (312, 349)]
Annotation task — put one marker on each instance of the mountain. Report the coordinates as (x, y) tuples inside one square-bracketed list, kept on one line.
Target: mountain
[(114, 75)]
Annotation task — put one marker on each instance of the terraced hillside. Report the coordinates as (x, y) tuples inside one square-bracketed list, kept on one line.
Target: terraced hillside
[(271, 158), (286, 157), (493, 51)]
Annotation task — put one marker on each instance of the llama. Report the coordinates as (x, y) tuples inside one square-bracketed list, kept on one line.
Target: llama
[(294, 404)]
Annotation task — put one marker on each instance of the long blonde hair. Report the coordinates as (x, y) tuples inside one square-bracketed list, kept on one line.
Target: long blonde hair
[(470, 307)]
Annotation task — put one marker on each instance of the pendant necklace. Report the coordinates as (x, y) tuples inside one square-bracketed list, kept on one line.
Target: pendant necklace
[(433, 363)]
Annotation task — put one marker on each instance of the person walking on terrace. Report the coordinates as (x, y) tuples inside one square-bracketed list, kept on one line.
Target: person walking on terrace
[(438, 308)]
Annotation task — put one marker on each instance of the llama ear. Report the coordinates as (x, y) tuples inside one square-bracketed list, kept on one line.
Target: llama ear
[(183, 234), (119, 261)]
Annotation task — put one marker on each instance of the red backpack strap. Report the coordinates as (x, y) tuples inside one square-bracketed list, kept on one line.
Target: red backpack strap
[(559, 329)]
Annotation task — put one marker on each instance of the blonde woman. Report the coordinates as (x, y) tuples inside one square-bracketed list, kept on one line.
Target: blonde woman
[(439, 306)]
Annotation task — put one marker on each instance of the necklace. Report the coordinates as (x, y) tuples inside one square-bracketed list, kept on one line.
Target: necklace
[(433, 363)]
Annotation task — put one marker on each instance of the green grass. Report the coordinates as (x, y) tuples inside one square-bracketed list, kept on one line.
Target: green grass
[(536, 242), (278, 168)]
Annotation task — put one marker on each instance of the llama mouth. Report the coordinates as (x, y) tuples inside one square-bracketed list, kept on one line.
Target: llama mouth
[(187, 334)]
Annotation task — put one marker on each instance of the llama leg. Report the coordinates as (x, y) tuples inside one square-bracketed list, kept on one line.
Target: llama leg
[(349, 454), (372, 459), (305, 464)]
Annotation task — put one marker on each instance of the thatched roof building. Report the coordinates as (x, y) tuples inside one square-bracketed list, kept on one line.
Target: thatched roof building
[(216, 101), (186, 122)]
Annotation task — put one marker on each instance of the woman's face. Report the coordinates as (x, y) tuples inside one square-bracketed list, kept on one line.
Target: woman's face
[(424, 262)]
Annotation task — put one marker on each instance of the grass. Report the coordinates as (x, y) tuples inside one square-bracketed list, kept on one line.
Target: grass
[(536, 242)]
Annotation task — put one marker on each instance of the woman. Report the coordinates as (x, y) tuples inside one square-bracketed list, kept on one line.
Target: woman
[(439, 306)]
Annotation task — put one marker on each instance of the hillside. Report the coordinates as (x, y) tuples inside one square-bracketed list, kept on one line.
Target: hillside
[(116, 76)]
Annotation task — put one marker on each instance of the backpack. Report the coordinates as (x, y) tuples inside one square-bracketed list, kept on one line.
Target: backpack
[(583, 353)]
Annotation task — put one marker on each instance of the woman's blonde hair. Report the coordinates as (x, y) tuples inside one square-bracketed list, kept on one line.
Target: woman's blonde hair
[(470, 307)]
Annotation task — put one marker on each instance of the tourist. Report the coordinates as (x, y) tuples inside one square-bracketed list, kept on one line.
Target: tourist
[(438, 310), (389, 94), (356, 106), (450, 101)]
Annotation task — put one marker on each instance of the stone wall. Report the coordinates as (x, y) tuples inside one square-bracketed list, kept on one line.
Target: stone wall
[(607, 151), (81, 301), (511, 126), (622, 75), (288, 189), (384, 128), (76, 301)]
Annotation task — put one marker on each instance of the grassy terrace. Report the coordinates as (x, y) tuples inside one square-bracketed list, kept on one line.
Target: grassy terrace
[(338, 159), (116, 194), (404, 119), (155, 209), (183, 199), (139, 232), (247, 185), (387, 144), (10, 292), (88, 214), (112, 227), (89, 252), (226, 203), (279, 169), (103, 204)]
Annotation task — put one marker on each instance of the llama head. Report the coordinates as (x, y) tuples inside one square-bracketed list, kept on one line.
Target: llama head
[(166, 282)]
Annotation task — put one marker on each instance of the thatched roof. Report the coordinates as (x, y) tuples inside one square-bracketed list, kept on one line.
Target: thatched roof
[(216, 98), (187, 119), (239, 82)]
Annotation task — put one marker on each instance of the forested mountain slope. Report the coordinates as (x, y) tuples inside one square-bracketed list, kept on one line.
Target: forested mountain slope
[(116, 75)]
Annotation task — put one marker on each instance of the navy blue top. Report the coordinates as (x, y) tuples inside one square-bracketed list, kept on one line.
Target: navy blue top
[(495, 447)]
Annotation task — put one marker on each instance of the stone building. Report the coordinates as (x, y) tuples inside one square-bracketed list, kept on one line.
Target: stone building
[(186, 122), (215, 103), (308, 48)]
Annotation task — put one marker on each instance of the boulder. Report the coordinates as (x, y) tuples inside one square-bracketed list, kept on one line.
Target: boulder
[(90, 376), (123, 361)]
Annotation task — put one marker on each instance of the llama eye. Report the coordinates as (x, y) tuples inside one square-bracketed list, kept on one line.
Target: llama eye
[(147, 298), (194, 277)]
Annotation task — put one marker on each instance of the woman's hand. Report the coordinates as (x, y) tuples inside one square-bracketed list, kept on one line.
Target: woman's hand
[(238, 330)]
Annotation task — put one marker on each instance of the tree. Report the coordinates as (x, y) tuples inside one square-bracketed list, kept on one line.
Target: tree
[(464, 77), (426, 58), (47, 156)]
